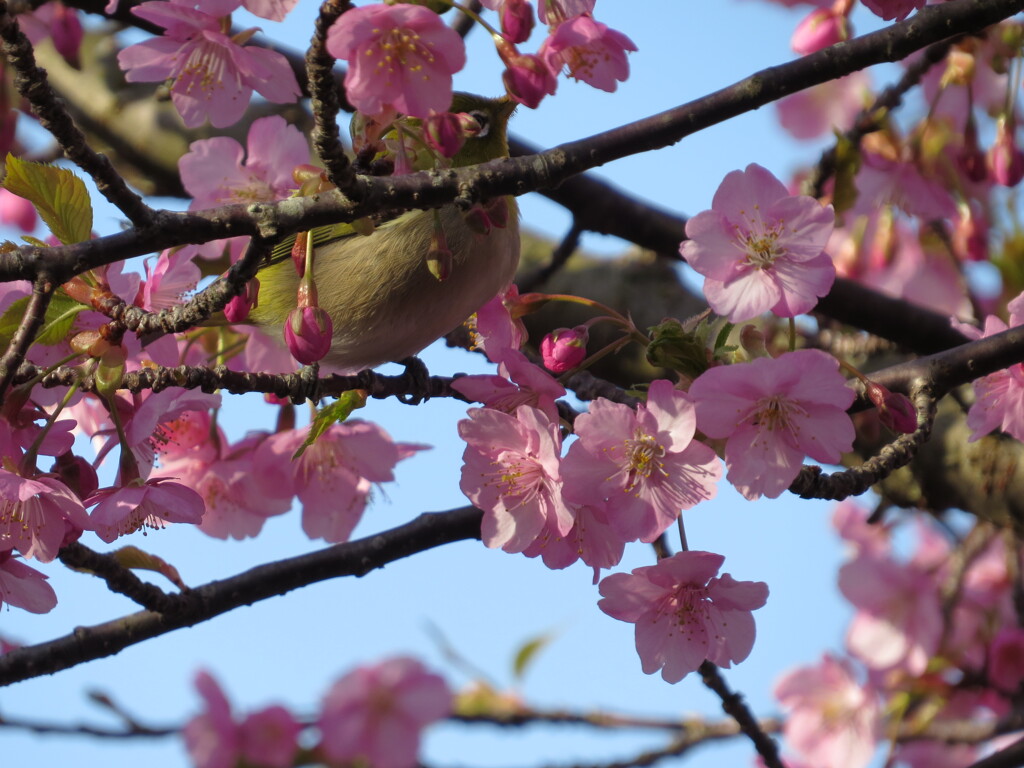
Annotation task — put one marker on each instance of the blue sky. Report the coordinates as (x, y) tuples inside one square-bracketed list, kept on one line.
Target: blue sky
[(486, 603)]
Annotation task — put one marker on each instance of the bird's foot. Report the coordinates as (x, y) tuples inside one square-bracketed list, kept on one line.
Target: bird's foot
[(418, 376)]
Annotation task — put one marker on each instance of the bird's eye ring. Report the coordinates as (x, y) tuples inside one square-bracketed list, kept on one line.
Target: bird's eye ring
[(483, 120)]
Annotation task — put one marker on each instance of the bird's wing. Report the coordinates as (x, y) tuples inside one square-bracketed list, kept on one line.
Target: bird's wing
[(321, 236)]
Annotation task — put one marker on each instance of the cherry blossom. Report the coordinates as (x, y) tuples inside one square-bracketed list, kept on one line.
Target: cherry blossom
[(640, 468), (36, 514), (375, 714), (520, 383), (820, 29), (401, 57), (212, 738), (554, 11), (893, 10), (511, 471), (832, 719), (24, 587), (150, 504), (590, 51), (213, 74), (773, 412), (685, 613), (591, 539), (760, 248)]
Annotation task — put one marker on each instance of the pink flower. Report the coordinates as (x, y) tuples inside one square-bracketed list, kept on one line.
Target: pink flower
[(499, 328), (891, 10), (998, 397), (275, 10), (640, 468), (24, 587), (591, 539), (213, 75), (818, 30), (374, 715), (511, 471), (590, 50), (554, 11), (167, 282), (773, 412), (333, 477), (212, 738), (270, 738), (35, 515), (308, 332), (832, 720), (214, 173), (899, 616), (520, 383), (685, 613), (564, 348), (527, 78), (760, 248), (400, 57), (152, 504), (17, 211), (1006, 659)]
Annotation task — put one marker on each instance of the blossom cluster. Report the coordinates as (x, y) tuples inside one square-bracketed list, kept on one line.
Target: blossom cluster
[(373, 715)]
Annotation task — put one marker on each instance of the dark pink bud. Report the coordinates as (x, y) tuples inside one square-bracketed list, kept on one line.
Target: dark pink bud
[(516, 20), (1005, 159), (970, 158), (308, 332), (820, 29), (77, 474), (528, 79), (237, 310), (444, 133), (66, 29), (564, 348), (894, 410)]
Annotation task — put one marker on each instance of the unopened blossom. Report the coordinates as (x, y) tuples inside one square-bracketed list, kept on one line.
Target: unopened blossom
[(564, 348), (401, 57), (773, 412), (685, 613), (376, 714), (24, 587), (820, 29), (152, 504), (527, 77), (893, 10), (1005, 158), (213, 75), (640, 467), (590, 50), (35, 515), (511, 471), (58, 22), (760, 248), (308, 332), (832, 720)]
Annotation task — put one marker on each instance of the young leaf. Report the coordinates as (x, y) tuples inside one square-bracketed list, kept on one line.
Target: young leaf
[(57, 323), (59, 196), (334, 413)]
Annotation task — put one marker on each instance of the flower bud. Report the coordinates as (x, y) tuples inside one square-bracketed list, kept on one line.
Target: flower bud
[(77, 474), (444, 133), (527, 78), (1005, 159), (820, 29), (237, 310), (894, 410), (516, 20), (308, 332), (563, 349)]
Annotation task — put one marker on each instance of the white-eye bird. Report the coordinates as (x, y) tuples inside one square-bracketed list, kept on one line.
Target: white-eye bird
[(384, 302)]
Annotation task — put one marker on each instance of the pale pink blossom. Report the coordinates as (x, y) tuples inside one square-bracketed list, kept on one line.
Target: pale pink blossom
[(899, 615), (174, 275), (685, 613), (333, 477), (498, 328), (590, 50), (375, 715), (214, 173), (832, 721), (591, 539), (24, 587), (213, 74), (773, 412), (36, 514), (850, 520), (212, 738), (642, 467), (760, 248), (270, 737), (883, 180), (511, 471), (520, 383), (893, 10), (401, 57), (152, 504), (274, 10)]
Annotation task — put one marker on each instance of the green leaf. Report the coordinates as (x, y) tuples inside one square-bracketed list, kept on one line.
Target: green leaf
[(57, 322), (59, 196), (137, 559), (528, 652), (848, 159), (332, 414)]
